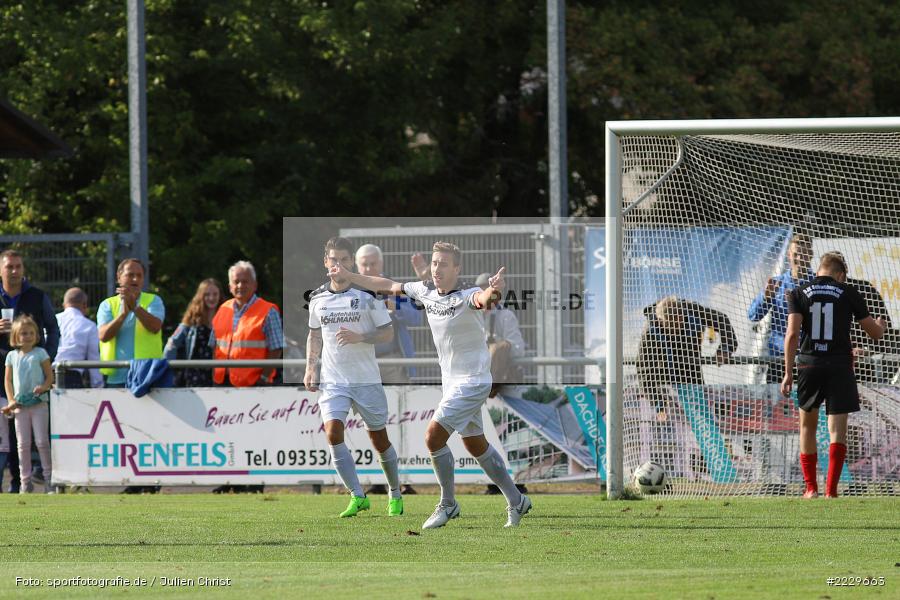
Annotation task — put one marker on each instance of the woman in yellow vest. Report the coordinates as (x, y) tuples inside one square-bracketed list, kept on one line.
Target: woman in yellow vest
[(130, 322)]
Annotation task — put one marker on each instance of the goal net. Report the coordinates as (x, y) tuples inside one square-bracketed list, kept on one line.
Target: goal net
[(715, 229)]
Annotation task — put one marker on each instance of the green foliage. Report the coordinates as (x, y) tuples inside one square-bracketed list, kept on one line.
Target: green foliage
[(543, 394), (259, 110)]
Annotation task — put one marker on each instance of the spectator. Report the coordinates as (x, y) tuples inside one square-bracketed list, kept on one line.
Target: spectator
[(4, 439), (191, 339), (23, 298), (246, 328), (130, 327), (504, 339), (863, 344), (370, 261), (130, 322), (505, 342), (28, 380), (773, 300), (78, 340)]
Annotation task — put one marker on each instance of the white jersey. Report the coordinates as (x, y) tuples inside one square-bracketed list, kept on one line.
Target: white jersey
[(458, 331), (356, 310)]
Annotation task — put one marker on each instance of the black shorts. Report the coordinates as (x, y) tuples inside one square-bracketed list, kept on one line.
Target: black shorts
[(834, 384)]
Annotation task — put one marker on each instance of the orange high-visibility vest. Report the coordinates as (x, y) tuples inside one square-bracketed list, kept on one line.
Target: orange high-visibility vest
[(248, 342)]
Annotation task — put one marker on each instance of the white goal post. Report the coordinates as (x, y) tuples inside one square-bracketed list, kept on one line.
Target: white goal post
[(757, 183)]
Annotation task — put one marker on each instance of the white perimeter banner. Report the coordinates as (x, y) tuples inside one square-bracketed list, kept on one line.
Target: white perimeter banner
[(213, 436)]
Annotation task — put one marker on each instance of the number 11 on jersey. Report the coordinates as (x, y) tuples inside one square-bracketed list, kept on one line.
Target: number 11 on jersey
[(817, 311)]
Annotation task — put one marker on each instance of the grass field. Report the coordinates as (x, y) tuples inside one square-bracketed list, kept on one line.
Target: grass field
[(288, 545)]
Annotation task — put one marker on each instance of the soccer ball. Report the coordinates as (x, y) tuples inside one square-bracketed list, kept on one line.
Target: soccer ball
[(650, 478)]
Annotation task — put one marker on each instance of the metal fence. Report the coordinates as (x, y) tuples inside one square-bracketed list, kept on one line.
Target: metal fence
[(541, 257), (56, 262)]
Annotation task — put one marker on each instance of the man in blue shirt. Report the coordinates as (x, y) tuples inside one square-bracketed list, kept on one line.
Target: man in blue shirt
[(119, 326), (773, 299), (118, 318)]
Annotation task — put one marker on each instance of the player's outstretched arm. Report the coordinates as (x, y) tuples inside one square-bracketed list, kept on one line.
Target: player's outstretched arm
[(875, 328), (491, 295), (379, 285)]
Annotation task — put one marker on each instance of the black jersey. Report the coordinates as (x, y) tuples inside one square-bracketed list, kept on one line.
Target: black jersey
[(828, 308)]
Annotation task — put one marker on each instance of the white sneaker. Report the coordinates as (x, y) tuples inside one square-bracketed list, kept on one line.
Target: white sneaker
[(517, 512), (441, 515)]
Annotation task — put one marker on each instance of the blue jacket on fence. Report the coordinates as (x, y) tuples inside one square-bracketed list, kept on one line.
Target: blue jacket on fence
[(146, 373)]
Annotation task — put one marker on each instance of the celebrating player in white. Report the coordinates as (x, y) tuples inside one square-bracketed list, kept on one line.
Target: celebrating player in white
[(456, 318), (345, 323)]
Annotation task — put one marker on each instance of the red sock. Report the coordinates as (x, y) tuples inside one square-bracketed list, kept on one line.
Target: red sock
[(808, 466), (836, 455)]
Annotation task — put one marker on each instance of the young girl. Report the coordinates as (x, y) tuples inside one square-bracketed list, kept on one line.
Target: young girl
[(28, 381)]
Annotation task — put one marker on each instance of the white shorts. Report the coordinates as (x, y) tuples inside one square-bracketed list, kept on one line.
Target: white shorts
[(368, 401), (460, 408)]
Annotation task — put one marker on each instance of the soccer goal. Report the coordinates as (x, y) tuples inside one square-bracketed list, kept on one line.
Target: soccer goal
[(708, 224)]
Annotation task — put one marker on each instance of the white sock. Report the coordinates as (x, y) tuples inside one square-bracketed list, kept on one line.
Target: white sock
[(493, 466), (389, 464), (442, 463), (346, 468)]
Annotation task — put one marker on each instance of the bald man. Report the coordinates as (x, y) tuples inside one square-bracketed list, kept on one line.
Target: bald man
[(78, 339)]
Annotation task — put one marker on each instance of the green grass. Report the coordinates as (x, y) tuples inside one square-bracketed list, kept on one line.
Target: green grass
[(291, 545)]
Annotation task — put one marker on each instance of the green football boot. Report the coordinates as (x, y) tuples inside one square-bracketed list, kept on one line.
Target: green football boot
[(356, 506), (395, 507)]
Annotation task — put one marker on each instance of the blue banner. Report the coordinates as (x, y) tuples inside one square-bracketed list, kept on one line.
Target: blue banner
[(715, 266), (709, 438), (585, 406)]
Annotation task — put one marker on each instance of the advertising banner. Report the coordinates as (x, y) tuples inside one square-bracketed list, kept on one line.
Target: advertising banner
[(214, 436), (720, 267), (584, 405)]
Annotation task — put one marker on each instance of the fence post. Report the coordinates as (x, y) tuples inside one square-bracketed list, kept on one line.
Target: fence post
[(59, 374)]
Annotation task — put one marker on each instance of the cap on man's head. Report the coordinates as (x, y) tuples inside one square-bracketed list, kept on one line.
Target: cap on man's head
[(483, 280)]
